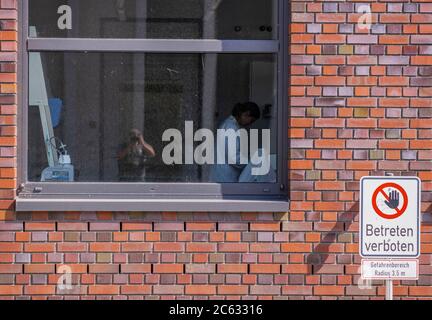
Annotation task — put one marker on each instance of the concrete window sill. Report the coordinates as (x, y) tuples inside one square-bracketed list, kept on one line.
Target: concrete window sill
[(151, 205)]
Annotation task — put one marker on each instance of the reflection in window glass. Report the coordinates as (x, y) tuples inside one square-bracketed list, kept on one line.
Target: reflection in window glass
[(133, 117), (160, 19)]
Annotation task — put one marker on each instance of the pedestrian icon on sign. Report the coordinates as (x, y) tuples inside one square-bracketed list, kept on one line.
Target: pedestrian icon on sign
[(390, 200)]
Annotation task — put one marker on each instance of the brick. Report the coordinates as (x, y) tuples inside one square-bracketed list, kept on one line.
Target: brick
[(168, 268), (104, 226), (135, 268), (232, 268), (138, 247), (39, 226), (297, 290), (104, 290), (200, 268), (200, 226), (72, 226), (200, 290), (169, 226), (135, 226), (11, 268), (330, 269), (296, 247), (265, 290), (200, 247), (104, 247), (265, 268), (296, 269), (11, 290), (104, 268), (72, 247), (420, 291), (39, 268), (234, 247), (135, 289), (75, 268), (265, 226), (232, 290), (39, 247), (265, 247), (168, 290), (39, 290), (328, 290)]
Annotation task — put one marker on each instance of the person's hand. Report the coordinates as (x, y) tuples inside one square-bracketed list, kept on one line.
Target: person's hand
[(393, 201), (141, 138)]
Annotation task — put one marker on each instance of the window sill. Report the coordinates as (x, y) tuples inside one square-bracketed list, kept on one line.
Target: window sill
[(151, 205)]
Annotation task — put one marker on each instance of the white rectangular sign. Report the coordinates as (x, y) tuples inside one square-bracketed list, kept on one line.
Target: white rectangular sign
[(390, 269), (390, 217)]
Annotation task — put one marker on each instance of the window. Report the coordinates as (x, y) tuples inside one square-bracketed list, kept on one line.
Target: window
[(154, 105)]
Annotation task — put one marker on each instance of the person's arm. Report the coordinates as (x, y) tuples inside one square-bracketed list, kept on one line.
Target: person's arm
[(147, 147), (237, 157), (123, 152)]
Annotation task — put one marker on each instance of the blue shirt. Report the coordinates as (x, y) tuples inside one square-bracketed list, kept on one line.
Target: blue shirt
[(228, 173)]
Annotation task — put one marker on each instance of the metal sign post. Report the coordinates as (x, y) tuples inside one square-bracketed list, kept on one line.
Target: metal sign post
[(389, 289), (389, 282)]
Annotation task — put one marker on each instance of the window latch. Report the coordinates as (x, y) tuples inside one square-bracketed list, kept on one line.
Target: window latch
[(37, 190)]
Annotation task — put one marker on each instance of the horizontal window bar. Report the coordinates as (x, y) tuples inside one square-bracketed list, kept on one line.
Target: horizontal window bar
[(153, 205), (154, 45), (148, 190)]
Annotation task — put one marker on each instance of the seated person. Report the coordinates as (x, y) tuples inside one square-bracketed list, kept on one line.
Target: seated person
[(243, 115)]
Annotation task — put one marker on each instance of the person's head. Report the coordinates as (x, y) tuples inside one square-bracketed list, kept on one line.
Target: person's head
[(134, 135), (246, 113)]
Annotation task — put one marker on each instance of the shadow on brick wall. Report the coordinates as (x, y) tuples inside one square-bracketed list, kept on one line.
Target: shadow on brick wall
[(334, 236)]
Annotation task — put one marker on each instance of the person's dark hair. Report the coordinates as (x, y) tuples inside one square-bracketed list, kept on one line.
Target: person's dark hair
[(250, 107)]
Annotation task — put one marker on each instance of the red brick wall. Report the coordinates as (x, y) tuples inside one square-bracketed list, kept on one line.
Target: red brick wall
[(360, 105)]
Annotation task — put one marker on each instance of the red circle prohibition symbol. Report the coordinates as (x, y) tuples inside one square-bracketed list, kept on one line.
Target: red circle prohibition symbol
[(398, 212)]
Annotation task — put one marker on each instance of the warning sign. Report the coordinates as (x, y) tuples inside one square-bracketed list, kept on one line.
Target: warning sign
[(390, 269), (390, 217)]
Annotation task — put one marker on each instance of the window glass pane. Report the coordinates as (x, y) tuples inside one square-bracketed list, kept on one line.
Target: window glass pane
[(154, 19), (134, 117)]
